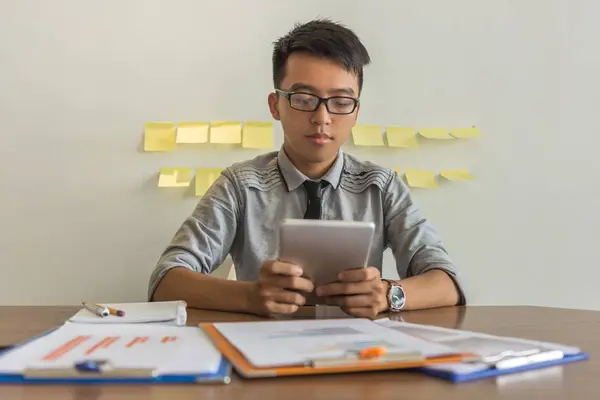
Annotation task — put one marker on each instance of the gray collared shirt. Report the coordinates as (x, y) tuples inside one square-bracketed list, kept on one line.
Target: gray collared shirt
[(240, 215)]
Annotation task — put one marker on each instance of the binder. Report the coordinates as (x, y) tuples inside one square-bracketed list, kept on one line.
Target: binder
[(94, 372), (348, 364)]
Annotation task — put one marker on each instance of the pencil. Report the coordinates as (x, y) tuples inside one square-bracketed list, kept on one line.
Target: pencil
[(113, 311)]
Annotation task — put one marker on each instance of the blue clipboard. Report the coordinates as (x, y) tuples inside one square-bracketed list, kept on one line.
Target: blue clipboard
[(89, 373), (493, 372)]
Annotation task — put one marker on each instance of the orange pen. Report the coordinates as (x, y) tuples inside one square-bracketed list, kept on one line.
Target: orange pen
[(371, 352)]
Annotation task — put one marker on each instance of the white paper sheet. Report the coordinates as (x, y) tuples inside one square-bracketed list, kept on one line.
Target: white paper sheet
[(285, 343), (167, 349), (164, 311)]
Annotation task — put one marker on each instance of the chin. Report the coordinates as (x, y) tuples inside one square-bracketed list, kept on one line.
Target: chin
[(319, 156)]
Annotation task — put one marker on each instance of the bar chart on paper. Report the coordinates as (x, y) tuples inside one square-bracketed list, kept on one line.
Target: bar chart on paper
[(164, 349)]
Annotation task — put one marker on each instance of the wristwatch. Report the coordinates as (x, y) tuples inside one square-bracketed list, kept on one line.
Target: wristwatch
[(396, 297)]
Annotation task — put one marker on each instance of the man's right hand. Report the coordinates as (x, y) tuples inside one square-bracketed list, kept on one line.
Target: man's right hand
[(277, 287)]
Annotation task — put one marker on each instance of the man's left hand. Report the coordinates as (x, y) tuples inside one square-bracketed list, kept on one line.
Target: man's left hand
[(359, 292)]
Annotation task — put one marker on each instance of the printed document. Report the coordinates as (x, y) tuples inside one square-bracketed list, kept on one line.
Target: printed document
[(290, 343)]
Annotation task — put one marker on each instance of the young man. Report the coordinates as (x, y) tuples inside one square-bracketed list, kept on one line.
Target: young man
[(318, 77)]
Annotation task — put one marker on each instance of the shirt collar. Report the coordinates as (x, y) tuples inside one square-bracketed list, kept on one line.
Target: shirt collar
[(294, 178)]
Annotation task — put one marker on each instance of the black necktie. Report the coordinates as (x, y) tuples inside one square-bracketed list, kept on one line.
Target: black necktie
[(313, 200)]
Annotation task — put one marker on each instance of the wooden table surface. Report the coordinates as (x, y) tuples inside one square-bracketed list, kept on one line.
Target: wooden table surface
[(575, 381)]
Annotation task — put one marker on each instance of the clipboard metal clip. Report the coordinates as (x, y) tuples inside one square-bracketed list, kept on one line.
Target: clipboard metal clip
[(96, 369)]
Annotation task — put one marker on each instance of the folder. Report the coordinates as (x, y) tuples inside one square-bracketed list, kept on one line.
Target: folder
[(492, 355), (318, 366), (94, 370), (78, 375)]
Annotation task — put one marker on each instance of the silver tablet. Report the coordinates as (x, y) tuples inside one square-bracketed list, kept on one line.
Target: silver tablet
[(325, 248)]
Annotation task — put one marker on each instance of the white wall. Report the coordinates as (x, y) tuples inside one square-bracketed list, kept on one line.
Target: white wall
[(81, 217)]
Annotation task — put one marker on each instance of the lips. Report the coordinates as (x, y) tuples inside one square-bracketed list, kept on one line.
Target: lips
[(319, 138)]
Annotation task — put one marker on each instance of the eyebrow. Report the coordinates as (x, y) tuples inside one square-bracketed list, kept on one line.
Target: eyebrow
[(310, 88)]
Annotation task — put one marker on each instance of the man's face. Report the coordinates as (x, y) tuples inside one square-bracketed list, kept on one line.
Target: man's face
[(314, 136)]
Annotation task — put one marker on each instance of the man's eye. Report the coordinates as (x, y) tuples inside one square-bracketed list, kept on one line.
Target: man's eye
[(342, 102)]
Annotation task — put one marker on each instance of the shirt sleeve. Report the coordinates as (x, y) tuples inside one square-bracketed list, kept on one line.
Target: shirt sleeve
[(204, 239), (416, 245)]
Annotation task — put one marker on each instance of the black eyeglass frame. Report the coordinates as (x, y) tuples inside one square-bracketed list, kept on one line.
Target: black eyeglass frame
[(325, 100)]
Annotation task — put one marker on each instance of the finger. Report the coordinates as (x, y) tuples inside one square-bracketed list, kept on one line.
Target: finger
[(280, 308), (359, 300), (287, 297), (359, 274), (281, 268), (290, 282), (343, 288)]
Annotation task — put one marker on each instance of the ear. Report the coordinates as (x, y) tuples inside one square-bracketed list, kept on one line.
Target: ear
[(272, 100)]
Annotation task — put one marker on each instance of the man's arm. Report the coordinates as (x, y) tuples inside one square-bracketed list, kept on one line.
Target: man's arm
[(427, 274), (198, 247), (433, 288)]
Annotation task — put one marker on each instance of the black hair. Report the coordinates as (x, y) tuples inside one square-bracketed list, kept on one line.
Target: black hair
[(324, 38)]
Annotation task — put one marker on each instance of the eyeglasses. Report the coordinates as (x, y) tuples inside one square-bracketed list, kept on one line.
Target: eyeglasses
[(340, 105)]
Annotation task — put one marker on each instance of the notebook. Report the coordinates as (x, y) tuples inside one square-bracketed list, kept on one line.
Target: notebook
[(494, 355), (173, 312), (125, 353)]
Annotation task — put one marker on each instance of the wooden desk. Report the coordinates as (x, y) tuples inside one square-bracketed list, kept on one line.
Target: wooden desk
[(575, 381)]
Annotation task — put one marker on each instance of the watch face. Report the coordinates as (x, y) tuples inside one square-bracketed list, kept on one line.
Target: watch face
[(397, 298)]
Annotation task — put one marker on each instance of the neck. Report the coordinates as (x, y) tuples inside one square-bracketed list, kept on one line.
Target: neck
[(313, 170)]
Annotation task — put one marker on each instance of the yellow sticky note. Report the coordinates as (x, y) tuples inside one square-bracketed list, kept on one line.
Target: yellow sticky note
[(421, 178), (257, 135), (435, 133), (367, 135), (398, 136), (159, 136), (205, 177), (226, 132), (457, 175), (465, 133), (192, 132), (174, 177)]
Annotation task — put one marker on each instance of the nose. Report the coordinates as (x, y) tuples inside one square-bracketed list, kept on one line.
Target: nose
[(321, 116)]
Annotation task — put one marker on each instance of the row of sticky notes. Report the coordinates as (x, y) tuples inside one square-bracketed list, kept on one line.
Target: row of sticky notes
[(419, 178), (182, 177), (164, 136), (205, 177), (398, 136)]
